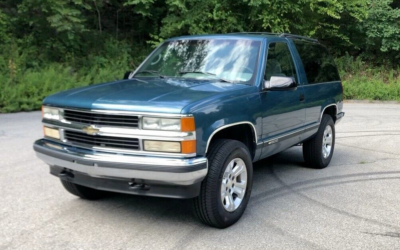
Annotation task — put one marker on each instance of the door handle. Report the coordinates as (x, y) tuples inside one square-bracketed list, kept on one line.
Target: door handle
[(302, 98)]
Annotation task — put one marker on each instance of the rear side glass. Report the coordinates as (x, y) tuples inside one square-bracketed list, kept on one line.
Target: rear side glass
[(318, 63)]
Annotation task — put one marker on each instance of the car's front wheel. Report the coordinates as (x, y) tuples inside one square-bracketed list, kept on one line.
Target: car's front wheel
[(226, 190)]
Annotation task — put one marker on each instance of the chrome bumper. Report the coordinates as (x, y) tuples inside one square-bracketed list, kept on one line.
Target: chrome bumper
[(339, 117), (172, 171)]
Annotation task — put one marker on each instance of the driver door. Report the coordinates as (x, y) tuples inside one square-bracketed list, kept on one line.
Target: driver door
[(283, 109)]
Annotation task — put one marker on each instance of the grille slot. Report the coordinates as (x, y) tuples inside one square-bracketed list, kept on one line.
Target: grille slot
[(102, 141), (101, 119)]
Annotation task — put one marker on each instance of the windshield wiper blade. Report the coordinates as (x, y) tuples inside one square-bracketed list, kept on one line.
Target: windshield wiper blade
[(154, 72), (206, 73)]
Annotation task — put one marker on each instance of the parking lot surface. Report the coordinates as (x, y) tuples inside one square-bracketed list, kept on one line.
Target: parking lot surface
[(352, 204)]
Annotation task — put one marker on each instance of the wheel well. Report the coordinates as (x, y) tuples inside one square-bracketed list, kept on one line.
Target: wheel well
[(331, 110), (243, 133)]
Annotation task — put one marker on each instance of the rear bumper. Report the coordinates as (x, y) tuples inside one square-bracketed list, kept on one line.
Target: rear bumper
[(152, 176), (339, 117)]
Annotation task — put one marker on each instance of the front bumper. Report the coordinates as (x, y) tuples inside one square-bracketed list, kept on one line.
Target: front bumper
[(124, 173)]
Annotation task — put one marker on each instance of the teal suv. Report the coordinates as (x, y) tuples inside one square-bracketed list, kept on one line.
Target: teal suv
[(192, 119)]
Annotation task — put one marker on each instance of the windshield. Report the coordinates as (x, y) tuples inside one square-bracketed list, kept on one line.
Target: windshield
[(219, 59)]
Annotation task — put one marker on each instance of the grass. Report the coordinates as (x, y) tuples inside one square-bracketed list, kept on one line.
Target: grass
[(362, 81), (24, 89)]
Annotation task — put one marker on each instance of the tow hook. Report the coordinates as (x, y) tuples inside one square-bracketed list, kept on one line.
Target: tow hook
[(138, 186), (65, 173)]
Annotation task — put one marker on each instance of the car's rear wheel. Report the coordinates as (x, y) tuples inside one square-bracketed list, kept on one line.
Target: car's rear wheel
[(318, 151), (226, 190), (83, 192)]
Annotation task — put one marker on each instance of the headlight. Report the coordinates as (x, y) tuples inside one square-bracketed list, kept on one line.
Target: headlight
[(161, 124), (51, 113), (169, 124)]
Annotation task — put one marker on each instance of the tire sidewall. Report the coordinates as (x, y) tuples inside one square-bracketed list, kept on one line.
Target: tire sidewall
[(327, 122), (230, 218)]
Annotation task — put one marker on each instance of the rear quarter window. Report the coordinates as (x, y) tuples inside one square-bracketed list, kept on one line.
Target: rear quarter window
[(318, 63)]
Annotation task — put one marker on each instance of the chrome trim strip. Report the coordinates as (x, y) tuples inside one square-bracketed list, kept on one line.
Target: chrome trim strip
[(126, 132), (276, 139), (231, 125), (62, 134), (123, 166), (116, 158), (129, 113), (322, 113), (138, 152), (175, 136), (339, 117)]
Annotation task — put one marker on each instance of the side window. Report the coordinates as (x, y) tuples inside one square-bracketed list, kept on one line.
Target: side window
[(318, 64), (279, 62)]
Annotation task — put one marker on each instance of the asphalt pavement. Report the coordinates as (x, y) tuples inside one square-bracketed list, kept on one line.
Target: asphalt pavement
[(352, 204)]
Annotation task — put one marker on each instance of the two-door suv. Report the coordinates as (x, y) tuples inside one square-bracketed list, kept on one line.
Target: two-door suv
[(192, 119)]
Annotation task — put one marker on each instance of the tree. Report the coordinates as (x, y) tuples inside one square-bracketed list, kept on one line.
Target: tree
[(383, 26)]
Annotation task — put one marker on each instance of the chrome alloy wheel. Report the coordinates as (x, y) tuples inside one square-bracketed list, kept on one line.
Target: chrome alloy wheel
[(234, 183), (327, 142)]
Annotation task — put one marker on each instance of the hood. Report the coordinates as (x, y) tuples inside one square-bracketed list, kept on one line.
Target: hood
[(150, 95)]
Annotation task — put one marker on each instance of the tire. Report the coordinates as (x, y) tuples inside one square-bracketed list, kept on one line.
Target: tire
[(211, 206), (83, 192), (313, 149)]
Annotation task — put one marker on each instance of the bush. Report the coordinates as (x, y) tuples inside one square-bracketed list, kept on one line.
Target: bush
[(23, 88), (362, 81)]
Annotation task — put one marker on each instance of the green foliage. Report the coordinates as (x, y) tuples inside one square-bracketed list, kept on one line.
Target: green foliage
[(50, 45), (365, 88), (383, 26), (363, 81), (27, 91), (4, 28), (24, 88)]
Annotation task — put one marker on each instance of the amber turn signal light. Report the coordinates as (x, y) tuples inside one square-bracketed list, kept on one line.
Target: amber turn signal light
[(187, 124), (188, 147)]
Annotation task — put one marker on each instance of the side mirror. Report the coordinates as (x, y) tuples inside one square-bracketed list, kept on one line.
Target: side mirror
[(127, 75), (280, 83)]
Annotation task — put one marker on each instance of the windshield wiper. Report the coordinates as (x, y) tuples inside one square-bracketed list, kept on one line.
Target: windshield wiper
[(154, 72), (206, 73)]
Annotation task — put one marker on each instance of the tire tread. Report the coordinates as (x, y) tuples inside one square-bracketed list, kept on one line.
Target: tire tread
[(204, 207)]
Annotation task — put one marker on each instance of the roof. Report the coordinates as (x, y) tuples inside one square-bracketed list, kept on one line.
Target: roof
[(251, 35), (285, 35)]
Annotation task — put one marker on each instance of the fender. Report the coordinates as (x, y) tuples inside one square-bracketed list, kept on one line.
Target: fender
[(231, 125)]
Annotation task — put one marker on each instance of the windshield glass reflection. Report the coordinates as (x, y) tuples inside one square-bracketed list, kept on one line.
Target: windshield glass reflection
[(222, 60)]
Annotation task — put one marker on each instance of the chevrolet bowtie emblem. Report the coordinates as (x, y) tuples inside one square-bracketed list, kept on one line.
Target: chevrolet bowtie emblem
[(91, 130)]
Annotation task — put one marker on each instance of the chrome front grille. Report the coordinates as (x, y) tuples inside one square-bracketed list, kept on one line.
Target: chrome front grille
[(101, 141), (101, 119)]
